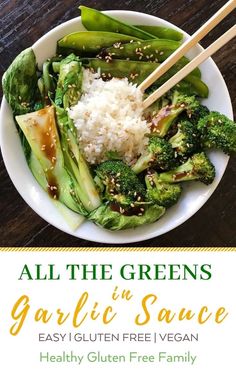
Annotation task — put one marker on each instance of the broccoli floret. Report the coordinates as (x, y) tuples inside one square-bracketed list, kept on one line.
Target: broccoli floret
[(198, 167), (185, 141), (159, 154), (162, 193), (217, 131), (121, 185), (162, 121), (199, 112)]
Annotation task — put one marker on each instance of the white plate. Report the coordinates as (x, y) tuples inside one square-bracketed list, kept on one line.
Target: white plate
[(195, 194)]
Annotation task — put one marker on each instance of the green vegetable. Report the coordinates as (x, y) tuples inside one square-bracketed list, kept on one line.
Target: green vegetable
[(120, 183), (159, 154), (198, 167), (85, 188), (162, 32), (218, 132), (93, 20), (150, 50), (186, 140), (199, 112), (74, 220), (90, 43), (137, 71), (162, 193), (41, 133), (113, 155), (69, 83), (163, 120), (48, 81), (114, 221), (20, 82)]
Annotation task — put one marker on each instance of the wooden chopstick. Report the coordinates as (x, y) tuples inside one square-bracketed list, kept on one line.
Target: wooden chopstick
[(226, 37), (187, 45)]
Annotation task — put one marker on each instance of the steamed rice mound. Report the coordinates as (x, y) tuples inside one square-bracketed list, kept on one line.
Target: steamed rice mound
[(108, 117)]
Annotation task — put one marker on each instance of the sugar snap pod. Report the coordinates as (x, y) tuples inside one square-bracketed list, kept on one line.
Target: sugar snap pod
[(94, 20)]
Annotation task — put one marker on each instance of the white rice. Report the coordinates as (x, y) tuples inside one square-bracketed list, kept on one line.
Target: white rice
[(108, 117)]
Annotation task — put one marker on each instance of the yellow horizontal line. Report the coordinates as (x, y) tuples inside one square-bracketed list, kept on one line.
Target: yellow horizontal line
[(117, 249)]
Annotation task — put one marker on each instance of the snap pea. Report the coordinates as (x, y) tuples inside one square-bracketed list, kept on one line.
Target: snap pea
[(90, 43), (152, 50), (162, 32), (93, 20), (156, 50), (137, 71)]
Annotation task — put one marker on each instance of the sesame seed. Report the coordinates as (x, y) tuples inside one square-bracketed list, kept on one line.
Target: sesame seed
[(162, 52), (139, 198), (142, 209), (117, 45), (140, 214), (132, 205)]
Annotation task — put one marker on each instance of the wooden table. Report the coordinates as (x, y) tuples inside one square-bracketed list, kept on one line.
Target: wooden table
[(22, 23)]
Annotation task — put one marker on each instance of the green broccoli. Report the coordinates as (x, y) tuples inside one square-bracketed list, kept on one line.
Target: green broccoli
[(217, 131), (198, 112), (159, 154), (121, 185), (162, 193), (198, 167), (185, 141), (162, 121)]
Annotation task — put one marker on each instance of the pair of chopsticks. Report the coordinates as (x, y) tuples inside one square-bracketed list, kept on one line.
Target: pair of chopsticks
[(181, 51)]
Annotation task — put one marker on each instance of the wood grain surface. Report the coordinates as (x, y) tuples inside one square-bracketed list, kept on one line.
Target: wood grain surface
[(22, 22)]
